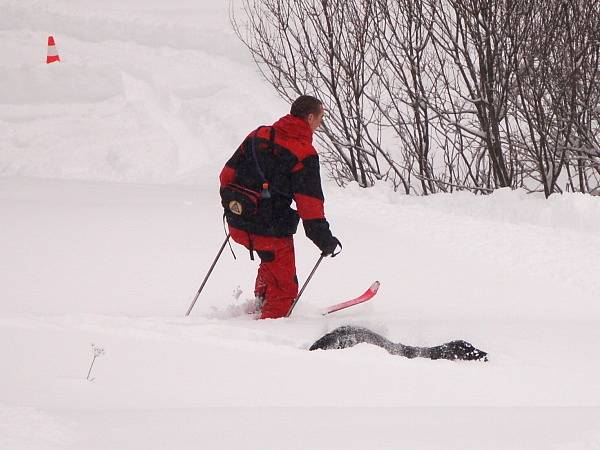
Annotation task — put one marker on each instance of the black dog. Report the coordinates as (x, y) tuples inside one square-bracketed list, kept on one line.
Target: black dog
[(349, 336)]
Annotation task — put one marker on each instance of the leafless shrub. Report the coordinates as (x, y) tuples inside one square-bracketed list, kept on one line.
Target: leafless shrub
[(439, 95)]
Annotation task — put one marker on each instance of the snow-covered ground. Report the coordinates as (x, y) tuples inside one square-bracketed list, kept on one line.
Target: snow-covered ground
[(110, 218)]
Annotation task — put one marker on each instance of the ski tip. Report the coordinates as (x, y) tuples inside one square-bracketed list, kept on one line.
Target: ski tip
[(375, 286)]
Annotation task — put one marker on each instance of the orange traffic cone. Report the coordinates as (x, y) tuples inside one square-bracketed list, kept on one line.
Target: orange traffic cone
[(52, 53)]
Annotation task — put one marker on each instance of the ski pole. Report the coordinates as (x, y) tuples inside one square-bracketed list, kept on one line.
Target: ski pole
[(304, 286), (208, 274)]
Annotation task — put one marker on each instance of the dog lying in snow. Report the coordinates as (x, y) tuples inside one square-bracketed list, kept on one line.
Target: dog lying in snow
[(349, 336)]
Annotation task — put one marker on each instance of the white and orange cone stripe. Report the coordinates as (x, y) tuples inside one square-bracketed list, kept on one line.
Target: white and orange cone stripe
[(52, 53)]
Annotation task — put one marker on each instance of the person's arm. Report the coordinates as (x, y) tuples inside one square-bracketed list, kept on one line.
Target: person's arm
[(308, 195), (227, 174)]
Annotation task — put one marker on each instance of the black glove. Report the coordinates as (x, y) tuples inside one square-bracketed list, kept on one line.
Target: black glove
[(317, 230), (329, 247)]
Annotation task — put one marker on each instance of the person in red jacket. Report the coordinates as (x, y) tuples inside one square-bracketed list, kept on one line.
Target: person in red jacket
[(273, 166)]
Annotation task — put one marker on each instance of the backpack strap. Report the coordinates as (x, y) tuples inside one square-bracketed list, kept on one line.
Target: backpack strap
[(253, 148), (266, 185), (227, 234)]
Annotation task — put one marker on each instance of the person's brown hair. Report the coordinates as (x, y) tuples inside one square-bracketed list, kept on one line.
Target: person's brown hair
[(305, 105)]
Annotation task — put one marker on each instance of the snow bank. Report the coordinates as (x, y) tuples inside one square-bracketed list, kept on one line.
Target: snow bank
[(568, 211), (184, 24), (147, 92), (30, 428), (59, 83), (151, 92)]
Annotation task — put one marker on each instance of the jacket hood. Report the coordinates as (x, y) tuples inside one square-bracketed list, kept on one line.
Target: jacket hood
[(295, 128)]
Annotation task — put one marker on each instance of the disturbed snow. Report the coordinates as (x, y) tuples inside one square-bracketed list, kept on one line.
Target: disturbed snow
[(110, 219)]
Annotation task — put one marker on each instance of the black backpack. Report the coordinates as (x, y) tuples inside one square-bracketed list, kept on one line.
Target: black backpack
[(253, 202), (243, 201)]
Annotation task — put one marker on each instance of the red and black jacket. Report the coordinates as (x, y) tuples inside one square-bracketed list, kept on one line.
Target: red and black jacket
[(288, 161)]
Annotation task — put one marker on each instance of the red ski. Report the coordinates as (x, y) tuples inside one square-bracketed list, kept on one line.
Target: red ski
[(368, 295)]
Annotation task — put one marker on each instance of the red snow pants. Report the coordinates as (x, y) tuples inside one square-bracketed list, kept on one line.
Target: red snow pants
[(276, 280)]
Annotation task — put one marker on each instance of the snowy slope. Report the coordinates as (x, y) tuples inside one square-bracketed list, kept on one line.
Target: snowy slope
[(156, 96), (146, 92)]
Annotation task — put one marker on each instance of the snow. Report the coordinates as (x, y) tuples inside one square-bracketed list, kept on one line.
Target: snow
[(110, 219)]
